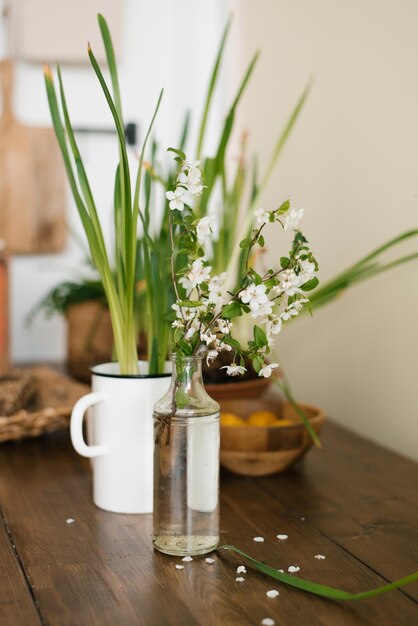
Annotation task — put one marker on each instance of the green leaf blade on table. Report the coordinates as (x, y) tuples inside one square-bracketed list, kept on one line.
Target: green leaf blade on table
[(324, 591)]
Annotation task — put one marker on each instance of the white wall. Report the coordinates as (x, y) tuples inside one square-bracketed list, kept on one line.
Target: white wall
[(165, 44), (352, 163)]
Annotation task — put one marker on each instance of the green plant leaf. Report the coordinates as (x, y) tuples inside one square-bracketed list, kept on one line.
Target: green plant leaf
[(211, 89), (232, 310), (246, 243), (316, 588), (260, 337), (311, 284), (232, 342), (179, 153)]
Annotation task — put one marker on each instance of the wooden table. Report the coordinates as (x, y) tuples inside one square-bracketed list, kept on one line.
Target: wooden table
[(354, 503)]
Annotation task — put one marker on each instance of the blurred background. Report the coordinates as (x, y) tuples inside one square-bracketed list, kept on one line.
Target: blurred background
[(351, 162)]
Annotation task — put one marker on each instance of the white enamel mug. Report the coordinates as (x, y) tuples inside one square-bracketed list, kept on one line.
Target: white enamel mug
[(120, 433)]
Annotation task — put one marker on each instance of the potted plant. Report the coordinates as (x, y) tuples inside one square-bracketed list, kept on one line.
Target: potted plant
[(120, 433)]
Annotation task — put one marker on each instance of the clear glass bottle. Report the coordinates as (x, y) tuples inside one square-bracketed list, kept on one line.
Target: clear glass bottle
[(186, 464)]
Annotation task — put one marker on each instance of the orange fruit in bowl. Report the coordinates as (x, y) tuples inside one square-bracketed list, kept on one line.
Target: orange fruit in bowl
[(230, 419), (262, 418)]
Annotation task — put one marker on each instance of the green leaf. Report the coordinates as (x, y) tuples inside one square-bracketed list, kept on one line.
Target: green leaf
[(232, 342), (182, 398), (185, 347), (311, 284), (211, 88), (190, 303), (283, 208), (260, 337), (232, 310), (316, 588), (180, 153), (284, 262), (246, 243), (256, 364), (260, 241), (111, 62)]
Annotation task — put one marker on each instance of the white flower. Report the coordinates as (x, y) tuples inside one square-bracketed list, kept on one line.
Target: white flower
[(187, 313), (191, 177), (263, 310), (274, 326), (204, 228), (216, 287), (290, 282), (292, 218), (178, 323), (308, 269), (207, 337), (178, 198), (267, 370), (211, 356), (224, 326), (254, 296), (234, 369), (262, 216), (194, 187), (190, 165), (297, 305), (198, 273), (192, 330), (220, 345)]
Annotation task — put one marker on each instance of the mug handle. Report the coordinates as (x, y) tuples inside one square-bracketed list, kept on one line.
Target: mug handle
[(76, 425)]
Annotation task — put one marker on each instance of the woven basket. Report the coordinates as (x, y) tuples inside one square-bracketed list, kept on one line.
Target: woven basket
[(50, 408)]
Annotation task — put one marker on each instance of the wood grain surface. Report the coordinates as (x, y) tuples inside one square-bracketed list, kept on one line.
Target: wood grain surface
[(354, 503)]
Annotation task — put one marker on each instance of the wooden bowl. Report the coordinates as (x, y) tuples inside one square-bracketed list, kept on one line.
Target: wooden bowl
[(264, 450), (232, 390)]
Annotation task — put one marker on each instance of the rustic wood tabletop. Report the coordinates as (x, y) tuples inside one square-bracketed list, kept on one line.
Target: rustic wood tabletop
[(353, 502)]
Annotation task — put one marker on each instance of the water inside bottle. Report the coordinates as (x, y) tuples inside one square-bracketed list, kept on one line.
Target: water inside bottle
[(186, 484)]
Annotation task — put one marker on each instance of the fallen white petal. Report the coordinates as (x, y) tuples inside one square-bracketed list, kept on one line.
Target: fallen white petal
[(187, 559), (303, 519), (293, 568), (179, 566), (267, 621), (281, 570), (259, 539), (282, 537), (209, 560), (273, 593), (70, 520), (319, 556), (241, 569), (239, 579)]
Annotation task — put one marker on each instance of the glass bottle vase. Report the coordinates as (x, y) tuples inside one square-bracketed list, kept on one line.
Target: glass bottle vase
[(186, 464)]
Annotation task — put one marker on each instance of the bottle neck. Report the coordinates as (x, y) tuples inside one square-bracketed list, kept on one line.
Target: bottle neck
[(186, 371)]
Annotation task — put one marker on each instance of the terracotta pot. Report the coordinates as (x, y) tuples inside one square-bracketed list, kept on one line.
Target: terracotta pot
[(264, 450), (89, 338)]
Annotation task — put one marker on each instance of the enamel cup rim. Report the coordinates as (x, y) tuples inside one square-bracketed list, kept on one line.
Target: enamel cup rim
[(111, 370)]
